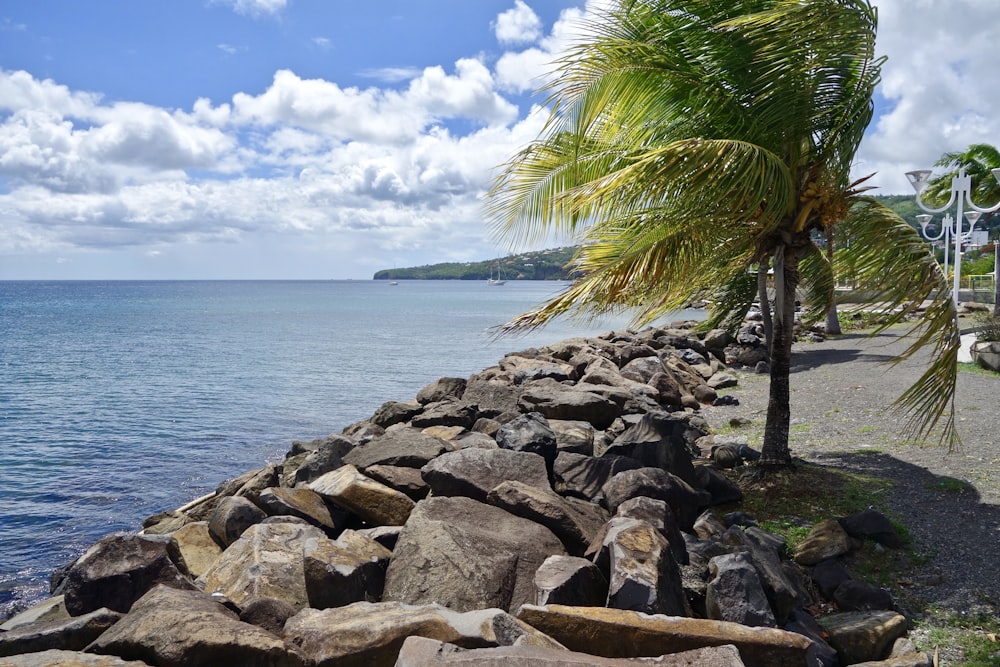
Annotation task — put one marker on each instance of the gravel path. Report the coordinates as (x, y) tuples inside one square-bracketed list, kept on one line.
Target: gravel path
[(950, 502)]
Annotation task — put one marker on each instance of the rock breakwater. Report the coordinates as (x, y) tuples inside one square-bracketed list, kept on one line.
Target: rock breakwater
[(564, 507)]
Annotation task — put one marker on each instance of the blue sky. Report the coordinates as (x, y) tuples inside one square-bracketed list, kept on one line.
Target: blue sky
[(328, 139)]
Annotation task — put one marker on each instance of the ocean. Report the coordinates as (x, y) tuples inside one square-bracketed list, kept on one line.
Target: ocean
[(122, 399)]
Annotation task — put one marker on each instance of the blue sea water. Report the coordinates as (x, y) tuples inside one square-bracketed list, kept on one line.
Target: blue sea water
[(122, 399)]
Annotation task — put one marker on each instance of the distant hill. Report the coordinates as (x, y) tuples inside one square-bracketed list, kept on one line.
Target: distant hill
[(536, 265)]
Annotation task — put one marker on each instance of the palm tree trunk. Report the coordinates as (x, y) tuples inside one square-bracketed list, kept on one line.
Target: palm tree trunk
[(765, 305), (775, 451)]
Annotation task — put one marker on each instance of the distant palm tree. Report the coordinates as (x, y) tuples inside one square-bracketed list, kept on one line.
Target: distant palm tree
[(693, 140)]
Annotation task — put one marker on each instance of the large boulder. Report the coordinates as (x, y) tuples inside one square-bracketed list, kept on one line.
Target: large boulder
[(583, 476), (374, 502), (232, 516), (451, 412), (193, 548), (643, 574), (60, 658), (573, 436), (72, 634), (266, 562), (350, 569), (827, 539), (660, 440), (188, 629), (304, 504), (371, 634), (442, 389), (657, 483), (618, 633), (735, 592), (659, 515), (474, 472), (328, 455), (117, 571), (467, 555), (404, 447), (561, 402), (571, 581), (863, 636), (529, 433), (571, 524)]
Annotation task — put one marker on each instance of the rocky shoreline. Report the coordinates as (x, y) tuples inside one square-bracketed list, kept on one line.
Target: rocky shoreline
[(564, 507)]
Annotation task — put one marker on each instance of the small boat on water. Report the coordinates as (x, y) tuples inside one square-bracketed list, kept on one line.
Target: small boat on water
[(393, 282), (500, 278)]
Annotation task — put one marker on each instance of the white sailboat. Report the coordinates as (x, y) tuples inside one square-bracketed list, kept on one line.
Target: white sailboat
[(500, 278)]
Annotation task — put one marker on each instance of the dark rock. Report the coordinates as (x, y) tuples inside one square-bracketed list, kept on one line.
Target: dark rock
[(569, 404), (231, 517), (658, 514), (735, 593), (570, 581), (803, 623), (328, 455), (442, 389), (584, 476), (446, 413), (494, 396), (467, 555), (684, 501), (543, 506), (720, 488), (529, 433), (660, 441), (854, 595), (405, 480), (395, 412), (474, 472), (302, 503), (873, 525), (117, 571), (405, 447), (350, 569), (828, 575), (267, 613), (643, 574)]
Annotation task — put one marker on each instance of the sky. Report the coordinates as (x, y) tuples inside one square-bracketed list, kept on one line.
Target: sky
[(327, 139)]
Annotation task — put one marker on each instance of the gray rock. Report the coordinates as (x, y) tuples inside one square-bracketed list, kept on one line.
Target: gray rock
[(442, 389), (474, 472), (576, 437), (117, 571), (572, 581), (304, 504), (684, 501), (187, 628), (396, 412), (371, 634), (49, 609), (328, 455), (658, 514), (446, 413), (266, 562), (493, 395), (765, 555), (405, 480), (643, 574), (231, 517), (529, 433), (72, 634), (405, 447), (58, 658), (854, 595), (660, 441), (423, 652), (569, 404), (543, 506), (828, 575), (584, 476), (374, 502), (467, 555), (722, 380), (735, 593)]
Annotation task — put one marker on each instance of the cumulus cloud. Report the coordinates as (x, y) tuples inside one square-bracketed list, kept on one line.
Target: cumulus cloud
[(528, 69), (518, 25)]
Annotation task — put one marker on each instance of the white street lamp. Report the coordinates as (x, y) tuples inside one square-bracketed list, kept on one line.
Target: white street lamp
[(961, 192)]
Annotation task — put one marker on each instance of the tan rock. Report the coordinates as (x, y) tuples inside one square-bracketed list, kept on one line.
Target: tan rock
[(194, 547), (373, 501), (617, 633), (50, 609), (826, 540), (58, 658), (860, 636)]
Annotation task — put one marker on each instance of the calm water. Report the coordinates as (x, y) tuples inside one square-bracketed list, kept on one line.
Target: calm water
[(122, 399)]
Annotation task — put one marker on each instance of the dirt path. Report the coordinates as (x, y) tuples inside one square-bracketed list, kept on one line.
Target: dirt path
[(841, 396)]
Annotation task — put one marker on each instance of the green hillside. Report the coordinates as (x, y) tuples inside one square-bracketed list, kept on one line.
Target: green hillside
[(536, 265)]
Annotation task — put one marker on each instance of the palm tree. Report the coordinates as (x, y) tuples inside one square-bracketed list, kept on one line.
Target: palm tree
[(692, 140)]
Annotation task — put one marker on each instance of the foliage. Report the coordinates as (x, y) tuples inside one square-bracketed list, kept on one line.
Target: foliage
[(538, 265), (977, 264), (989, 327), (690, 142), (975, 634)]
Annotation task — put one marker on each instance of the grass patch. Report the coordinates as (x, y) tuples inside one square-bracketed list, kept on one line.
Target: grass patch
[(977, 635), (970, 367), (867, 429), (949, 485)]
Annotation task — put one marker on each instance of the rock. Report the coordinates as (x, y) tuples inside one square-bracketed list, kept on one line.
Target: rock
[(860, 636), (193, 548), (492, 395), (828, 575), (854, 595), (584, 476), (765, 553), (576, 437), (187, 628), (722, 380), (615, 633), (328, 455), (405, 447), (442, 389), (49, 609), (643, 574), (803, 623), (267, 613), (395, 412), (569, 404), (717, 339), (658, 514), (708, 526), (529, 433), (231, 517), (450, 412), (575, 529), (422, 652), (372, 634), (474, 472), (249, 485), (408, 481), (570, 580), (735, 593), (660, 441), (304, 504), (57, 658), (467, 555), (266, 562), (873, 525), (117, 571), (372, 501), (164, 522), (684, 501), (350, 569), (826, 540), (720, 489), (72, 634)]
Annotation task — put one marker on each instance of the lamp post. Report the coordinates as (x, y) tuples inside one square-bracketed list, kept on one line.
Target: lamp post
[(961, 192)]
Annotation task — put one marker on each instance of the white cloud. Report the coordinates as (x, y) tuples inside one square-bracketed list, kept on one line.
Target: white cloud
[(529, 69), (256, 8), (938, 84), (323, 42), (518, 25)]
